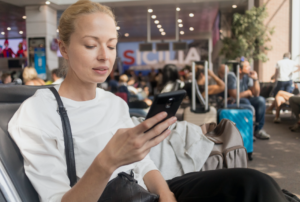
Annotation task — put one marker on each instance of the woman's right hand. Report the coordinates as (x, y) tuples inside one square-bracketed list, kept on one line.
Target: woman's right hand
[(132, 144)]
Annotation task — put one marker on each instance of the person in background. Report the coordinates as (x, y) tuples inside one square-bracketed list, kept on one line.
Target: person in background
[(152, 80), (30, 77), (6, 78), (295, 105), (1, 52), (170, 79), (56, 77), (123, 86), (20, 52), (7, 52)]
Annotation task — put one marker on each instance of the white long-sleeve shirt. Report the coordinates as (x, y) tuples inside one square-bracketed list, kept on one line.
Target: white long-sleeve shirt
[(37, 130)]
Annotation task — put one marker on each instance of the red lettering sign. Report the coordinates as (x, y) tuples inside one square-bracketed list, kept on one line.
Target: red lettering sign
[(129, 57)]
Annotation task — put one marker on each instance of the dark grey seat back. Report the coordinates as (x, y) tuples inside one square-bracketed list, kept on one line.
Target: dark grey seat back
[(11, 159)]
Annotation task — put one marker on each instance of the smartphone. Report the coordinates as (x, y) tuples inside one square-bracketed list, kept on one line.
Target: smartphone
[(166, 102)]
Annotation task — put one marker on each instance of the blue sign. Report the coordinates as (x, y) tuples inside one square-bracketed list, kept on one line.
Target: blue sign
[(40, 62)]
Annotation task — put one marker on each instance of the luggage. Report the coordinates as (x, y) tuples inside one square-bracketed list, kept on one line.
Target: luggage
[(200, 114), (228, 151), (243, 118)]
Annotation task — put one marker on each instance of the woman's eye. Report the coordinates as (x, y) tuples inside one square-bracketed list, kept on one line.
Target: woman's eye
[(90, 47), (111, 48)]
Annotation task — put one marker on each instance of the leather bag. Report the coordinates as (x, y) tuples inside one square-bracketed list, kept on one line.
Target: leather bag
[(229, 150), (122, 188)]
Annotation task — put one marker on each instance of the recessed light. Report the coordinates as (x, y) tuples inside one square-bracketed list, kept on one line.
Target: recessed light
[(47, 2), (191, 15), (156, 21), (57, 30), (150, 10), (126, 35), (163, 33), (234, 6), (20, 32), (161, 29), (179, 20), (158, 26), (2, 33), (182, 32), (191, 28), (8, 28), (180, 25), (24, 17), (153, 16), (118, 28), (178, 9)]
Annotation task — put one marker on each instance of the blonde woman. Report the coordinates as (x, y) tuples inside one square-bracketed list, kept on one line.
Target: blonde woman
[(106, 141), (30, 77)]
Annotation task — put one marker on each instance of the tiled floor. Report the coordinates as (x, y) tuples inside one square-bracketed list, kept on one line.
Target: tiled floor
[(279, 157)]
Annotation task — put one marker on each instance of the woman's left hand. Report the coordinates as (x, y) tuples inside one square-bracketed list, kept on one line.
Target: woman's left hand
[(167, 197)]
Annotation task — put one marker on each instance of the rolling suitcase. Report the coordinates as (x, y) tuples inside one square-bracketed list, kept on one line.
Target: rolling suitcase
[(200, 114), (243, 118)]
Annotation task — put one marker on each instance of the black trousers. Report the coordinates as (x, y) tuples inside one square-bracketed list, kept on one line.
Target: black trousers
[(228, 185)]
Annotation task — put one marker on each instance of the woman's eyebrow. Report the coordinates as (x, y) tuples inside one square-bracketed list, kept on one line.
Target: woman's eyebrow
[(97, 38)]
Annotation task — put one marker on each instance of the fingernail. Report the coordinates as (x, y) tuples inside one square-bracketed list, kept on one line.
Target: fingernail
[(163, 114), (173, 119)]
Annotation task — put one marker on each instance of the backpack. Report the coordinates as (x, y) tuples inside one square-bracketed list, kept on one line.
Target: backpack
[(229, 150)]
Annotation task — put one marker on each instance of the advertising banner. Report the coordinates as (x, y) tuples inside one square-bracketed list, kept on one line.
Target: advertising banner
[(143, 61), (40, 62)]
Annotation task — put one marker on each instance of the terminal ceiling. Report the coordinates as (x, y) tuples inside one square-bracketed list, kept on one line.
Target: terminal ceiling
[(132, 16)]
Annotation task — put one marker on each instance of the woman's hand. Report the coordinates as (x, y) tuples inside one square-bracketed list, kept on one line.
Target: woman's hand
[(132, 144)]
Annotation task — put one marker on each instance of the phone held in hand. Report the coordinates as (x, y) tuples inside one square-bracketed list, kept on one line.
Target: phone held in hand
[(166, 102)]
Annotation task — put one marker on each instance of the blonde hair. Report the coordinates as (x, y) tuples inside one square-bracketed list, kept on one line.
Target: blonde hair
[(123, 78), (29, 73), (66, 23)]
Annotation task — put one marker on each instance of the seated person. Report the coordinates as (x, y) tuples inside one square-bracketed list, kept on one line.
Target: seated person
[(249, 95), (200, 79), (30, 77), (56, 78), (6, 78), (295, 105), (170, 79), (106, 141)]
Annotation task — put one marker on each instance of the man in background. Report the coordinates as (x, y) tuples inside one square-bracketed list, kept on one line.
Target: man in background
[(56, 77)]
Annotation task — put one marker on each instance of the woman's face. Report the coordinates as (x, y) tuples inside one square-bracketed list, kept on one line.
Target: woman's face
[(92, 49)]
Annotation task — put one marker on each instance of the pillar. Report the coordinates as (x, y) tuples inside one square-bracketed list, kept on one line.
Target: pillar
[(41, 21), (295, 33)]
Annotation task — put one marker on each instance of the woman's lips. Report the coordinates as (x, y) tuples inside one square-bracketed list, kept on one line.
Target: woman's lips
[(101, 70)]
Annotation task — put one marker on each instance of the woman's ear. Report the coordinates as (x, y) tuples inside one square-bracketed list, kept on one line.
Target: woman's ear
[(63, 49)]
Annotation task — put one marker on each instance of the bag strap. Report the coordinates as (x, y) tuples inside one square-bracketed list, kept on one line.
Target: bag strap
[(69, 147)]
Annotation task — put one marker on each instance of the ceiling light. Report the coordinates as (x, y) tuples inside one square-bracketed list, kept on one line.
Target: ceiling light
[(180, 25), (191, 14), (161, 29), (47, 2), (20, 32), (182, 32), (57, 30), (150, 10), (153, 16), (163, 33), (191, 28), (179, 20), (234, 6), (118, 28), (2, 33), (158, 26), (8, 28), (24, 17), (126, 35), (156, 21), (178, 9)]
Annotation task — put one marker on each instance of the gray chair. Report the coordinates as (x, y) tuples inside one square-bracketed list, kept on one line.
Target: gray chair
[(14, 184)]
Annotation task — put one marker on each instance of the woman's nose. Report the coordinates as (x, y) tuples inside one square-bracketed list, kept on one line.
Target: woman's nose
[(103, 53)]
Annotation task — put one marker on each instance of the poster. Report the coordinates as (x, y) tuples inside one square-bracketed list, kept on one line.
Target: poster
[(40, 62)]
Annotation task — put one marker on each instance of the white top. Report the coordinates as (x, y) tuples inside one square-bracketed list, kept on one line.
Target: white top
[(37, 130), (285, 67)]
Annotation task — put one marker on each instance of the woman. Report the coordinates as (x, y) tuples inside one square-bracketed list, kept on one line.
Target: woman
[(170, 79), (31, 78), (105, 139)]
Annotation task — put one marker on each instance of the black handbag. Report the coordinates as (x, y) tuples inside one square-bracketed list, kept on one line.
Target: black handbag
[(122, 188)]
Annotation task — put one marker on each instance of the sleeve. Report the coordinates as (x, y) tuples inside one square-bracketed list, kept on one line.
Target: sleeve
[(144, 166), (231, 82), (250, 82), (44, 164)]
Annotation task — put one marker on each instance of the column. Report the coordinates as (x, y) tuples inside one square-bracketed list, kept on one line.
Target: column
[(41, 21), (295, 29)]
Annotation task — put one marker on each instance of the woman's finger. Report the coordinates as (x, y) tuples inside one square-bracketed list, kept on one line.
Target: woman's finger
[(159, 129), (149, 123), (158, 139)]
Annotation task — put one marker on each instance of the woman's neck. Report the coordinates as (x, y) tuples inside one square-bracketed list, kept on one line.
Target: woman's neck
[(201, 81), (75, 89)]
